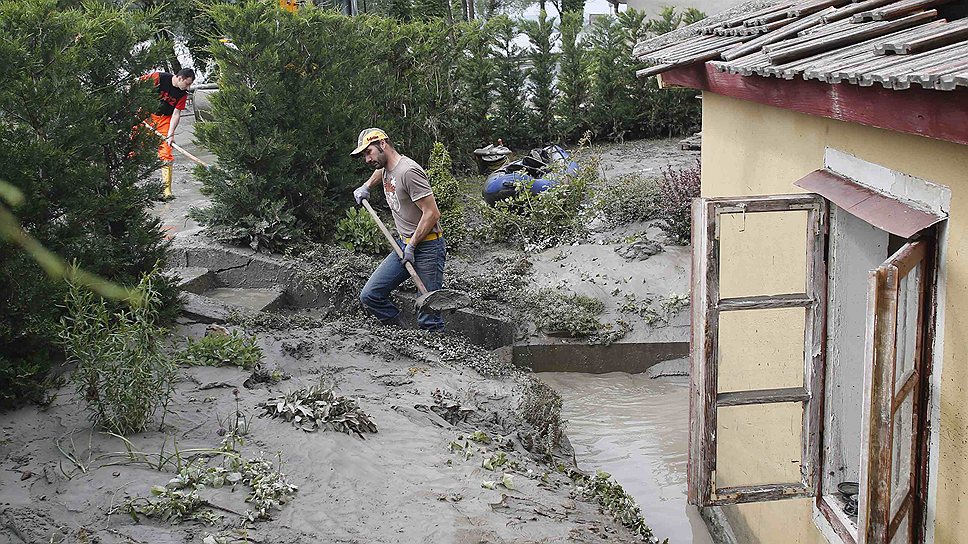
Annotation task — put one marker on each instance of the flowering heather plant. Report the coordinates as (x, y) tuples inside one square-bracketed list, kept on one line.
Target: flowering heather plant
[(676, 191)]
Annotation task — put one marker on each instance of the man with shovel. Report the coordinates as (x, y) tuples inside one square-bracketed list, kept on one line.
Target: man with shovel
[(172, 92), (421, 242)]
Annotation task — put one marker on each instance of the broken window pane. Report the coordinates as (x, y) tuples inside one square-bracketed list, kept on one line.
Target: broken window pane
[(907, 326)]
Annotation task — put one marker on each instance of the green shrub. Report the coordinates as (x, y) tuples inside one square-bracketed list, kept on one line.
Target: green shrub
[(69, 99), (231, 349), (510, 113), (541, 75), (122, 374), (448, 194), (358, 232), (677, 189), (627, 199), (573, 83)]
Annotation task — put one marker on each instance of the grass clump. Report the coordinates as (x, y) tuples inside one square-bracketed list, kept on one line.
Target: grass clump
[(222, 349), (565, 314), (316, 408), (614, 500), (122, 374), (628, 199)]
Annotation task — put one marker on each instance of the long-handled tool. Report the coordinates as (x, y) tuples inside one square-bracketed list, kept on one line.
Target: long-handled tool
[(434, 301), (178, 148)]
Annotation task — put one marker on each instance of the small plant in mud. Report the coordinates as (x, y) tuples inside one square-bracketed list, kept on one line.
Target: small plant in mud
[(540, 408), (358, 232), (317, 408), (677, 189), (614, 500), (269, 227), (122, 374), (224, 466), (565, 314), (222, 349), (627, 199)]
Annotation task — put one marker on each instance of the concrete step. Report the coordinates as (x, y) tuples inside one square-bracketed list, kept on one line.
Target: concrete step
[(194, 279), (257, 299)]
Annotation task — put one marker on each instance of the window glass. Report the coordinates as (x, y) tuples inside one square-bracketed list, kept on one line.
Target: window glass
[(762, 253)]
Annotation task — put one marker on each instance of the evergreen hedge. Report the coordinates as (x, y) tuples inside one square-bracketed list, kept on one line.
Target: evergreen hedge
[(69, 99), (296, 88)]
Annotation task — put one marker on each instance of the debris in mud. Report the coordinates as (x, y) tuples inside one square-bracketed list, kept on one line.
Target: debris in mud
[(449, 408), (262, 374), (639, 250), (614, 501), (316, 408), (541, 410)]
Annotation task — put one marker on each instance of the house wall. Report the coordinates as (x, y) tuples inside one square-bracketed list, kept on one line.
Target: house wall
[(750, 149)]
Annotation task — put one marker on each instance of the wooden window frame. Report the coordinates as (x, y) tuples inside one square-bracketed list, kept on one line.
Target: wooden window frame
[(883, 399), (706, 305)]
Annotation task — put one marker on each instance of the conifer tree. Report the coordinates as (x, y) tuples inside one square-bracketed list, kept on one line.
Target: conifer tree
[(541, 84), (510, 116), (69, 100), (573, 81), (475, 74)]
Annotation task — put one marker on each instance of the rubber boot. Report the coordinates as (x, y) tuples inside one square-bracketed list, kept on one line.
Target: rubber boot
[(166, 173)]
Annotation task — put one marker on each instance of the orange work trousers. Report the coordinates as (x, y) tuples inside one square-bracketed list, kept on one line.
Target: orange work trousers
[(161, 123)]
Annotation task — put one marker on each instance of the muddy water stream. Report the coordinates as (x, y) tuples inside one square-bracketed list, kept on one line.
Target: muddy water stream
[(636, 429)]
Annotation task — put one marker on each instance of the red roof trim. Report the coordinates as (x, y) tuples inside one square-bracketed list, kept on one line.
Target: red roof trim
[(929, 113)]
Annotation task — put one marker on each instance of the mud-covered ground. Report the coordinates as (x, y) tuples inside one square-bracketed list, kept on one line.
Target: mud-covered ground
[(420, 478)]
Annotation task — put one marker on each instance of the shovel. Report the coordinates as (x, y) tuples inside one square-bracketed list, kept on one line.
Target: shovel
[(432, 301), (178, 148)]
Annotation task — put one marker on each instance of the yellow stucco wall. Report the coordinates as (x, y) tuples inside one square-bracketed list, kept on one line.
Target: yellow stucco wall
[(750, 149)]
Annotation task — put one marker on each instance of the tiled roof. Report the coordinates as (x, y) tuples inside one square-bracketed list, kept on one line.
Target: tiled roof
[(896, 43)]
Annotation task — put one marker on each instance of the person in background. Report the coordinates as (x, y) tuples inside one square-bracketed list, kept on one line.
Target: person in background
[(172, 95)]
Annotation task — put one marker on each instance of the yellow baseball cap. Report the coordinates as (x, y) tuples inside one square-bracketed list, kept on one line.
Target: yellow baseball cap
[(368, 136)]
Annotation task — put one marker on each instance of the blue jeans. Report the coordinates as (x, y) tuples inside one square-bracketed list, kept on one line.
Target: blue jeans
[(428, 261)]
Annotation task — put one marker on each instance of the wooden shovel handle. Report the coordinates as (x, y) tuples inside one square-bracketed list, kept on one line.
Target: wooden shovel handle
[(421, 288), (177, 147)]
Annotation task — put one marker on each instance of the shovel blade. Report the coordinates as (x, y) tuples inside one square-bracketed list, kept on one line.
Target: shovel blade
[(441, 300)]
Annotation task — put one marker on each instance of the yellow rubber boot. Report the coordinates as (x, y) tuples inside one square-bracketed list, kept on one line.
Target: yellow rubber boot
[(166, 173)]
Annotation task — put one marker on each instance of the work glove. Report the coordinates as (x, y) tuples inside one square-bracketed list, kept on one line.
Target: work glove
[(408, 254), (363, 192)]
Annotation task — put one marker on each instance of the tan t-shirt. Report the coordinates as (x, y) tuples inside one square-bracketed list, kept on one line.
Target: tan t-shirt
[(404, 185)]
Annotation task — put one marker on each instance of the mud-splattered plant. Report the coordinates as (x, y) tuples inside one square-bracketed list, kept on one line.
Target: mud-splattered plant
[(122, 375), (614, 500), (317, 408)]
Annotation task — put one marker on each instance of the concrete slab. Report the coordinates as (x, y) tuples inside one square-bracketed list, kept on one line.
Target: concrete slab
[(204, 309), (193, 279), (257, 299), (555, 355)]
